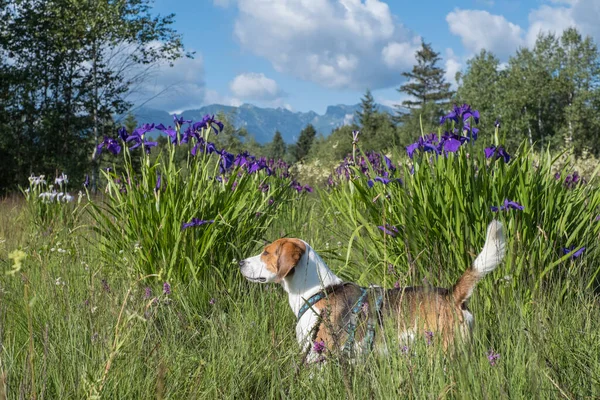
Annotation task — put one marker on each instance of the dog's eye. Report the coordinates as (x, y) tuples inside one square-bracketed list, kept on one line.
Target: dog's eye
[(265, 253)]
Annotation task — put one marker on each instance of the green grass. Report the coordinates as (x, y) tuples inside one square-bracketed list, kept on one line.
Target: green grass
[(96, 334)]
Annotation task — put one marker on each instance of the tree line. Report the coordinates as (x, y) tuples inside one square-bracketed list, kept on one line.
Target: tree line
[(67, 67)]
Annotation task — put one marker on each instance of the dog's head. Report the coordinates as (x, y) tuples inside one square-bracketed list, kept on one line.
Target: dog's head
[(276, 262)]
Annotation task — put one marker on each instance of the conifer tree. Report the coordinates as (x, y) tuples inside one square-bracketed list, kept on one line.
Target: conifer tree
[(305, 141), (428, 90), (277, 149)]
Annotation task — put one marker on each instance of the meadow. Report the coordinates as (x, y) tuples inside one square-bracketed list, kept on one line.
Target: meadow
[(135, 292)]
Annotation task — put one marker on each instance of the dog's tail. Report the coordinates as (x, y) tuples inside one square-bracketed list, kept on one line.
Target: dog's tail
[(491, 255)]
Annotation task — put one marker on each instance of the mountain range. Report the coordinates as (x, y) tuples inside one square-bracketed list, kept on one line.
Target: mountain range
[(263, 122)]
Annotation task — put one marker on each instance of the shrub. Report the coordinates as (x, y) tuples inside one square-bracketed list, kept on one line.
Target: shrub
[(427, 216), (183, 222)]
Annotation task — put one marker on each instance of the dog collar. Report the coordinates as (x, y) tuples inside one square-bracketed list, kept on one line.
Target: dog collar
[(310, 302)]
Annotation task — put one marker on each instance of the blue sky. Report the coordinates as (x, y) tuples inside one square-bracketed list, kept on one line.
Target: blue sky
[(307, 54)]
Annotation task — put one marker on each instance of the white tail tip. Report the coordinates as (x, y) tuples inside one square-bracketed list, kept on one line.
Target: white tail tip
[(493, 250)]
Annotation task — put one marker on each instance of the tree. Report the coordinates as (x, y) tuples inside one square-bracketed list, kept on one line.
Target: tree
[(579, 81), (304, 143), (71, 63), (367, 109), (481, 87), (130, 123), (276, 149), (428, 90), (230, 138)]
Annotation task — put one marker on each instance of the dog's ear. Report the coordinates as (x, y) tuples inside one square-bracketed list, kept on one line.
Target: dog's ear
[(290, 252)]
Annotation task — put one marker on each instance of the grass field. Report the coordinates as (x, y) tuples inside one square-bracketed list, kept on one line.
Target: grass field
[(75, 326)]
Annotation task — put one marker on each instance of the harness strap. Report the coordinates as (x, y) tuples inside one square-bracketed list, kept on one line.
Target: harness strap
[(373, 319), (310, 302), (351, 327)]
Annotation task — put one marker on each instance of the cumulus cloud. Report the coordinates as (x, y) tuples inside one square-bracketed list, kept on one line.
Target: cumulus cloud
[(452, 66), (254, 86), (335, 43), (172, 88), (582, 14), (481, 30)]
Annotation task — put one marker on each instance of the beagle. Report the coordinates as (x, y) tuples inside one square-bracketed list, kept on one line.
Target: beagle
[(340, 315)]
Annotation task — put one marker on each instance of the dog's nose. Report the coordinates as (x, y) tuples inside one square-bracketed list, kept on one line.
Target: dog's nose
[(241, 263)]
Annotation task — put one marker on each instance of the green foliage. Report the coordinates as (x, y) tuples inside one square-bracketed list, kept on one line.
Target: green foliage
[(75, 327), (51, 205), (65, 68), (231, 138), (426, 86), (442, 209), (276, 150), (302, 147), (548, 93), (480, 87), (142, 221)]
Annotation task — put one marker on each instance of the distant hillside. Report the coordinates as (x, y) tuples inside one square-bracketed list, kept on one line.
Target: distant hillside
[(263, 122)]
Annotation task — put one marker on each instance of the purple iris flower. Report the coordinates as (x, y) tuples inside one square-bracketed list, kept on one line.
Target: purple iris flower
[(110, 144), (86, 183), (226, 161), (389, 230), (467, 113), (180, 121), (137, 136), (204, 147), (207, 122), (388, 163), (411, 148), (497, 123), (123, 134), (385, 181), (170, 131), (370, 183), (196, 222), (473, 132), (576, 254), (498, 152), (458, 113), (492, 357), (508, 204), (242, 159), (450, 116), (297, 186), (308, 189), (355, 136), (167, 288), (452, 145), (158, 181), (572, 180)]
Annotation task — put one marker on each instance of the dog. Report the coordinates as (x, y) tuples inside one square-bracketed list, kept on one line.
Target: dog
[(342, 315)]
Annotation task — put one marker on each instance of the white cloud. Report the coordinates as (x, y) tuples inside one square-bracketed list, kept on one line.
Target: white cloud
[(482, 30), (582, 14), (548, 19), (453, 65), (172, 88), (254, 86), (214, 97), (335, 43)]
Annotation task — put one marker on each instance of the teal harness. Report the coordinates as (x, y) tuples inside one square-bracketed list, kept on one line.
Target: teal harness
[(354, 315)]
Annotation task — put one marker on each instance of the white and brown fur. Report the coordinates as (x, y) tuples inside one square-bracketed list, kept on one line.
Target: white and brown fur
[(414, 310)]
